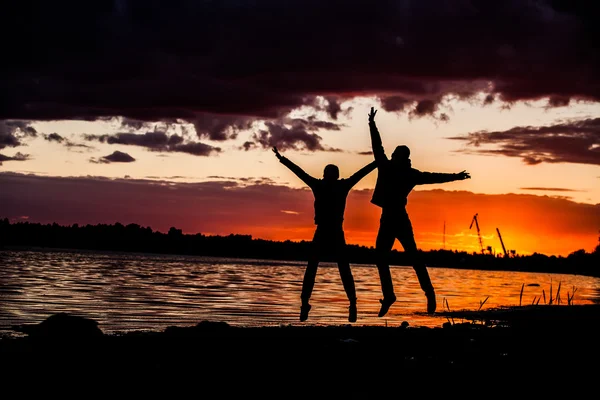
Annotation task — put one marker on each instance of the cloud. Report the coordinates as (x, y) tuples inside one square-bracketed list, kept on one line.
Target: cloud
[(296, 134), (576, 141), (220, 127), (73, 145), (116, 156), (17, 157), (168, 177), (395, 103), (244, 181), (12, 133), (54, 137), (156, 62), (157, 141)]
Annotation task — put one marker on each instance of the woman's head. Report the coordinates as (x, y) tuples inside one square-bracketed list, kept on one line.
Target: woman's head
[(331, 172)]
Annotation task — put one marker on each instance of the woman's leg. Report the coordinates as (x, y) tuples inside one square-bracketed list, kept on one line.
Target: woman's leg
[(310, 274)]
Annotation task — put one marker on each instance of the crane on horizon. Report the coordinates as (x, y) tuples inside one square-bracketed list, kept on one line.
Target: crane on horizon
[(502, 242), (478, 232)]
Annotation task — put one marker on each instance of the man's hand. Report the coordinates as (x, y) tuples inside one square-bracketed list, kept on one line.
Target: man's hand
[(372, 115), (277, 153), (463, 175)]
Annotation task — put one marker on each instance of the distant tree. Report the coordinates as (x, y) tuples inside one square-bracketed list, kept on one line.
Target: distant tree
[(174, 232), (134, 237)]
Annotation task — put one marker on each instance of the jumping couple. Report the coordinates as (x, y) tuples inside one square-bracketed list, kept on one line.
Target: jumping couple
[(395, 180)]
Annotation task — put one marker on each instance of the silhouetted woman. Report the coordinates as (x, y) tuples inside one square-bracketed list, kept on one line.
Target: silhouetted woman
[(330, 195)]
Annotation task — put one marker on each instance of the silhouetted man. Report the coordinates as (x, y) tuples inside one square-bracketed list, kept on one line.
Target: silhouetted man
[(330, 195), (395, 180)]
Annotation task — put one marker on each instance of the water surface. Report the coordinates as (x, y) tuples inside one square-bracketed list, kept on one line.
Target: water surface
[(132, 291)]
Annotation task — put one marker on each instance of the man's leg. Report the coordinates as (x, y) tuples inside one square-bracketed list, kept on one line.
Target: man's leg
[(383, 247), (349, 288), (407, 240)]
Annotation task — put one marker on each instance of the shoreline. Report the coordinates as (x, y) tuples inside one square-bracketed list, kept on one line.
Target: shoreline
[(520, 342), (499, 263)]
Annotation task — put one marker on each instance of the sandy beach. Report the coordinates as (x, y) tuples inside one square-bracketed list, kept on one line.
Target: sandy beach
[(511, 348)]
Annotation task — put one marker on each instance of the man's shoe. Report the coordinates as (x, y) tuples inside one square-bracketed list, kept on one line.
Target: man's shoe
[(304, 309), (431, 303), (386, 303), (352, 312)]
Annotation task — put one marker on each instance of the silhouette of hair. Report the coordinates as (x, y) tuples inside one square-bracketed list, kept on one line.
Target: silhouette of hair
[(331, 172)]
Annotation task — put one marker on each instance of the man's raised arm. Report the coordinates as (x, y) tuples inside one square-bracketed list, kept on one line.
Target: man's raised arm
[(376, 143), (306, 178)]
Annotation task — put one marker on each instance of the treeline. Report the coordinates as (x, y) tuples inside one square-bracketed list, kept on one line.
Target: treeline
[(135, 238)]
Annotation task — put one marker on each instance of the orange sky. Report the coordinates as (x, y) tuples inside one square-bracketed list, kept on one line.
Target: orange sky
[(528, 223)]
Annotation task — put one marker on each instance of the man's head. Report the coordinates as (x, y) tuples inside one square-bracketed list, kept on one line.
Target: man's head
[(331, 172), (401, 156)]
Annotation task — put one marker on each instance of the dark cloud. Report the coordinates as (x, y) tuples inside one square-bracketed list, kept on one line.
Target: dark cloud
[(8, 140), (311, 123), (254, 181), (292, 133), (196, 149), (20, 157), (248, 146), (333, 107), (157, 141), (219, 127), (133, 124), (395, 103), (72, 145), (557, 101), (17, 157), (54, 137), (570, 142), (428, 108), (116, 156), (489, 99), (13, 132), (223, 64), (153, 140), (168, 177), (293, 137)]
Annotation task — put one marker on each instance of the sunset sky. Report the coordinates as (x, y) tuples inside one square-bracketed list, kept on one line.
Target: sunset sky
[(164, 113)]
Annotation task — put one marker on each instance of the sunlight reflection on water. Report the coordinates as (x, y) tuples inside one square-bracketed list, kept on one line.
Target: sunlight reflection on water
[(125, 291)]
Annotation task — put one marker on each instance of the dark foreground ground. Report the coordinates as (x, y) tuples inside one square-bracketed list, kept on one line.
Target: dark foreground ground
[(521, 352)]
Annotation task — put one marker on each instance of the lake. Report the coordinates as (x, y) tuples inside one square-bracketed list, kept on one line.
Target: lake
[(139, 292)]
